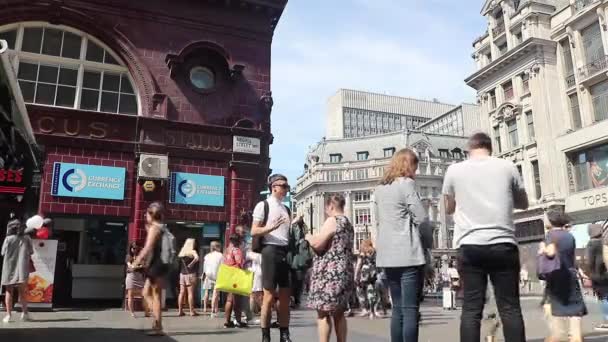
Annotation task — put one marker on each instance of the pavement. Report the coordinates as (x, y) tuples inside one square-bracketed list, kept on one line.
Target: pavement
[(114, 325)]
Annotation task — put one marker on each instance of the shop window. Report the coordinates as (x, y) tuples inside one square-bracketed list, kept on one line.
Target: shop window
[(335, 176), (335, 158), (362, 196), (362, 216), (362, 156), (530, 123), (361, 174), (537, 185), (65, 68), (389, 152), (513, 134), (590, 168)]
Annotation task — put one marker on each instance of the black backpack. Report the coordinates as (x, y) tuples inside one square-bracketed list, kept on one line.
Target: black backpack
[(256, 241)]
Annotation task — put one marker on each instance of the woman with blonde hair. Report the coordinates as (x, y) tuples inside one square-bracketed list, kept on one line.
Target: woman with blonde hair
[(366, 274), (402, 237), (188, 259)]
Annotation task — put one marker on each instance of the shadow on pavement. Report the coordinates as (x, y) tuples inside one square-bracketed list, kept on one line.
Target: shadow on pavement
[(593, 337), (76, 334), (59, 320)]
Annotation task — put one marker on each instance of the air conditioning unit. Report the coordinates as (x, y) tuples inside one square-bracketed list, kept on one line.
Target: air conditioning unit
[(153, 166)]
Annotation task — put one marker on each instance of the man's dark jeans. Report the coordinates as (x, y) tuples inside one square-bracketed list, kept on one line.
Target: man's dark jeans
[(501, 263)]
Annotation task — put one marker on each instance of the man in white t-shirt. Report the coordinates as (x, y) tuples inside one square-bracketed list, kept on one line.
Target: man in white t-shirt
[(271, 221), (211, 265), (482, 192)]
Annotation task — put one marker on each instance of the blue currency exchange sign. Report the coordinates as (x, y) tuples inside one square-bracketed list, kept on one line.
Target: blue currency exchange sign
[(195, 189), (88, 181)]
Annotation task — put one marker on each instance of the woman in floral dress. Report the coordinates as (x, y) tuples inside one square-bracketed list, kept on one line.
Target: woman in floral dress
[(333, 271)]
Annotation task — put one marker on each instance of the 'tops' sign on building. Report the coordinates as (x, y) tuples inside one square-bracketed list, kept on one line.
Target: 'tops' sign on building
[(88, 181), (195, 189)]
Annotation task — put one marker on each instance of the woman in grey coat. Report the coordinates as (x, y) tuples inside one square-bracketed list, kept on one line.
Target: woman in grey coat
[(17, 251), (403, 236)]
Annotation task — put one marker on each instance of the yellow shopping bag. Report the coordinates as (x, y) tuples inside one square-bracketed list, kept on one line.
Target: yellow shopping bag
[(234, 280)]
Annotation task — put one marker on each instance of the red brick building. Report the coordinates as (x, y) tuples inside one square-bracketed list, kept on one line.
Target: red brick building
[(107, 82)]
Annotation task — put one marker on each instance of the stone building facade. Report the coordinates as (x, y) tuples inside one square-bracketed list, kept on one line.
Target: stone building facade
[(109, 84), (542, 88)]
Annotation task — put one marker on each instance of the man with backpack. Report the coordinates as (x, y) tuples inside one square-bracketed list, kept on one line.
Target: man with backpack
[(300, 258), (271, 234)]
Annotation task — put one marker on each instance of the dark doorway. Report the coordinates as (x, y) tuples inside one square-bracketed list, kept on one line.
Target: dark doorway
[(67, 255)]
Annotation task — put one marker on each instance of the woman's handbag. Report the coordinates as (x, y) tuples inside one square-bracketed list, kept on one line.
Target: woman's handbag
[(546, 265), (234, 280)]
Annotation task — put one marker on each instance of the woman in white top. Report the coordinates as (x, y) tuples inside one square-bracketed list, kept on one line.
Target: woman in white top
[(211, 264)]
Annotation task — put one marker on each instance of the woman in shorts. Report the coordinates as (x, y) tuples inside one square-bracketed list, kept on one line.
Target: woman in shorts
[(188, 260), (156, 271)]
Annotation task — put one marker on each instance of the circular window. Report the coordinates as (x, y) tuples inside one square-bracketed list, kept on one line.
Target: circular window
[(202, 78)]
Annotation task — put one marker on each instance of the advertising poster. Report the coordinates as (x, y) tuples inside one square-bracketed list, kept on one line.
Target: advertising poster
[(598, 169), (40, 284), (88, 181), (195, 189)]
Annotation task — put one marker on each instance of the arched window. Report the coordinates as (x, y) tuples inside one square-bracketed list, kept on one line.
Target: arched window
[(62, 67)]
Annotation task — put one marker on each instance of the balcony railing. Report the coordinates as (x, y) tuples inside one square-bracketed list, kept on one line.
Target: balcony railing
[(498, 29), (570, 81), (580, 5), (599, 65)]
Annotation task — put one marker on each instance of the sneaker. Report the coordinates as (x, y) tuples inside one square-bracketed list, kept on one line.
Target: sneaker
[(285, 338), (7, 319), (363, 313), (25, 317), (255, 322), (601, 327), (242, 325), (275, 325), (371, 316), (229, 325)]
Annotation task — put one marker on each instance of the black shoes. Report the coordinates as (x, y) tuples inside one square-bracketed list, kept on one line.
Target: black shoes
[(285, 338)]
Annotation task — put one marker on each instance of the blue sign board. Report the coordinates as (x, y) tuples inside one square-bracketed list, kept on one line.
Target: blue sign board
[(88, 181), (195, 189)]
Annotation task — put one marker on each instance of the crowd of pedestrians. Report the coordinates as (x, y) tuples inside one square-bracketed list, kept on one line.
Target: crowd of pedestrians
[(394, 266)]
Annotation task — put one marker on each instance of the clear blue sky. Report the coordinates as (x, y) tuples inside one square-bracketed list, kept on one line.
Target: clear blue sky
[(413, 48)]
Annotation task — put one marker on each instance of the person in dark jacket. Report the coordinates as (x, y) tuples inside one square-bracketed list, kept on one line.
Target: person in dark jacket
[(597, 271)]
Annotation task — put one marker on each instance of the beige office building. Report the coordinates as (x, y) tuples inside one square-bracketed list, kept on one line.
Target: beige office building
[(542, 87), (354, 165)]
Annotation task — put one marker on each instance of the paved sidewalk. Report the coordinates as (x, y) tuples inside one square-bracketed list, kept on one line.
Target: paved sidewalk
[(116, 325)]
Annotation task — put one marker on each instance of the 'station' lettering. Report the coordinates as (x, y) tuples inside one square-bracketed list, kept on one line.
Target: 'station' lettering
[(195, 141)]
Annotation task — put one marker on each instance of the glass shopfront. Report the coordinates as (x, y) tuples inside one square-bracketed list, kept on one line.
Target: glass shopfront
[(91, 256)]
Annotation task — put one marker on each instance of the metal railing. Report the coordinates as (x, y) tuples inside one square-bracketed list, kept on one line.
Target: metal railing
[(594, 67), (498, 29), (580, 5), (570, 81)]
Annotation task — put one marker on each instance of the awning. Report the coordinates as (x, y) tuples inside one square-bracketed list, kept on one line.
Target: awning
[(12, 107)]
